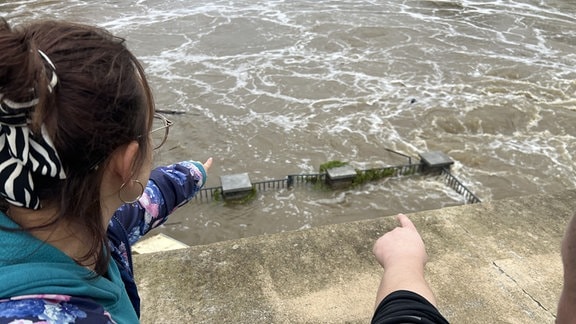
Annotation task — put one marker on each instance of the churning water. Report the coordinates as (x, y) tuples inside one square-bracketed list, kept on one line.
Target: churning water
[(279, 87)]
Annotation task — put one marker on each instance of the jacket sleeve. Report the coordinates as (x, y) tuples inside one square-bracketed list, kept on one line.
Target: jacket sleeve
[(56, 308), (169, 187)]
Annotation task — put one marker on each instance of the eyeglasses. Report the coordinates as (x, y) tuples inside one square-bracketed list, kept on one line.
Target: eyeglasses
[(160, 128), (159, 133)]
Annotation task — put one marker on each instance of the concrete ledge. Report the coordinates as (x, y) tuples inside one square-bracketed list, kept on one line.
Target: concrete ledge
[(495, 262)]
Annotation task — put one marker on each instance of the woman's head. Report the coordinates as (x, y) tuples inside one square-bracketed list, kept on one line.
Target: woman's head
[(101, 101)]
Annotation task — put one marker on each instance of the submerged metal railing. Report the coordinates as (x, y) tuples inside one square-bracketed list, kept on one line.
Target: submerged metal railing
[(460, 188), (294, 180)]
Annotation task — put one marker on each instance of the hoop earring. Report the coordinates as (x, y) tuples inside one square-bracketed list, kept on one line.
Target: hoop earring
[(137, 197)]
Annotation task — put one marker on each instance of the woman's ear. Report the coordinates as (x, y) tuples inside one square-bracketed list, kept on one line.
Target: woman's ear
[(124, 159)]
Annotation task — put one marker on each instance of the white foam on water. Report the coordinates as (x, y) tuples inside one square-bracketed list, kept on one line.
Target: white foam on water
[(283, 86)]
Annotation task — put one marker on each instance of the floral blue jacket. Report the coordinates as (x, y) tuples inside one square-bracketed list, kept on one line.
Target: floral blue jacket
[(169, 188)]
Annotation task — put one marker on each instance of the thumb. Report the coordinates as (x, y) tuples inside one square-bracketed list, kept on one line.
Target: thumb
[(405, 221)]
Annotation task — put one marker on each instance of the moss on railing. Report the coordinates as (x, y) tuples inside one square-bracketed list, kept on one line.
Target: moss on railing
[(364, 176), (331, 164)]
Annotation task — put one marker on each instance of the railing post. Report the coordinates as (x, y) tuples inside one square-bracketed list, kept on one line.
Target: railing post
[(340, 177), (236, 186), (434, 162)]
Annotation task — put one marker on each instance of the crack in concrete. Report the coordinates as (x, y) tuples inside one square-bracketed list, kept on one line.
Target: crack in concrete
[(523, 290)]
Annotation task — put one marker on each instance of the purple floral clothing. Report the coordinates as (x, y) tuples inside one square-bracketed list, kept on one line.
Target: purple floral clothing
[(61, 309)]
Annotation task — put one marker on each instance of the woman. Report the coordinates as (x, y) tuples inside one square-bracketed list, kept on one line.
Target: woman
[(76, 114)]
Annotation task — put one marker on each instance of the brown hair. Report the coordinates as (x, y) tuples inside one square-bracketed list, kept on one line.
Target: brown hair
[(101, 102)]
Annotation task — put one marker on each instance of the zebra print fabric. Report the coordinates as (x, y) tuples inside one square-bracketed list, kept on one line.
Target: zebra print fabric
[(23, 153)]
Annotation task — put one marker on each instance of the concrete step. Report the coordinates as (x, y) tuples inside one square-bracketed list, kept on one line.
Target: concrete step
[(494, 262)]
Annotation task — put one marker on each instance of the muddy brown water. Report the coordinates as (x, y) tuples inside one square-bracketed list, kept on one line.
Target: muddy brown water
[(279, 87)]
